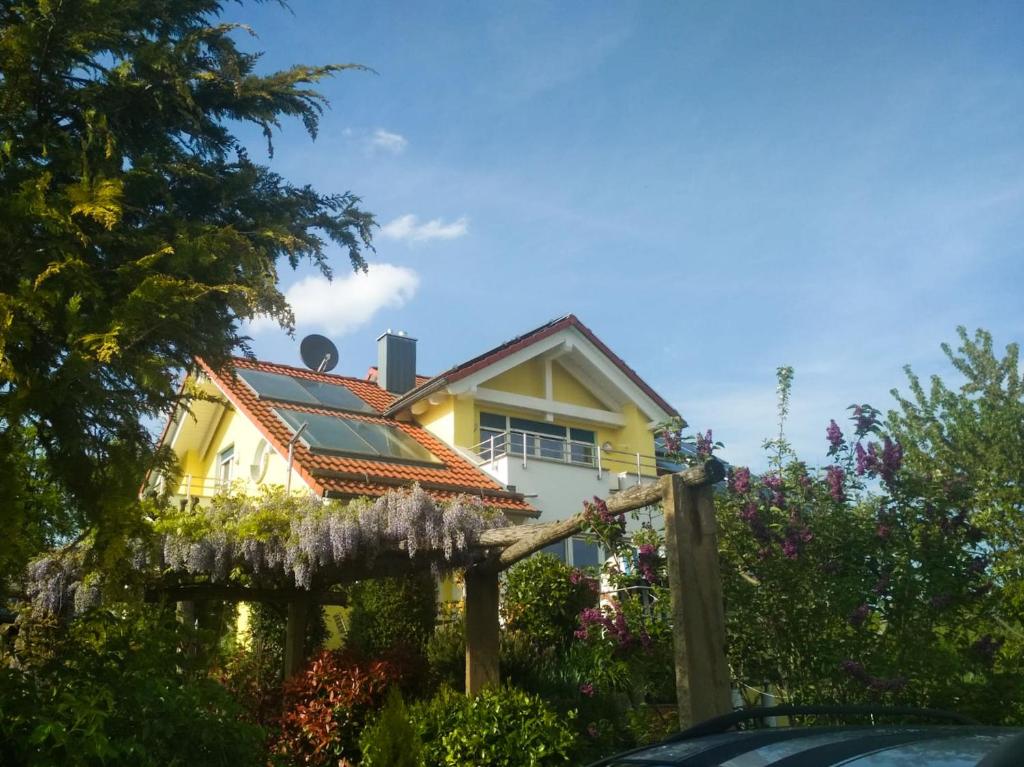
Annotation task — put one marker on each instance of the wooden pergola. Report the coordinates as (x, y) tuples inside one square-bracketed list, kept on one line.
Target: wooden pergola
[(698, 619)]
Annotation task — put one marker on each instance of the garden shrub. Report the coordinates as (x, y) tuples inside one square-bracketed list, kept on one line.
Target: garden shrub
[(446, 651), (112, 688), (388, 613), (499, 727), (327, 705), (391, 741), (542, 597)]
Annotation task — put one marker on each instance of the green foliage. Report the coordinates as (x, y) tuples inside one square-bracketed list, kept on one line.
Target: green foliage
[(136, 233), (446, 651), (541, 600), (500, 727), (390, 613), (879, 580), (113, 689), (36, 514), (969, 442), (391, 741), (327, 704)]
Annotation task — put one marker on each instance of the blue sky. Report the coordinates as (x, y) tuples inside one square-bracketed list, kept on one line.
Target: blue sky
[(715, 189)]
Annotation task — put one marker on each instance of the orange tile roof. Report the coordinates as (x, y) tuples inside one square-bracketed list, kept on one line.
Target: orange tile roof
[(355, 476)]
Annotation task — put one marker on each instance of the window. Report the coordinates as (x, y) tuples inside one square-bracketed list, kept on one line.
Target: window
[(338, 434), (537, 439), (300, 391), (225, 467), (585, 554)]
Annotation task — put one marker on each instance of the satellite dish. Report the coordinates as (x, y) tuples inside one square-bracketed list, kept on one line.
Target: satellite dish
[(318, 353)]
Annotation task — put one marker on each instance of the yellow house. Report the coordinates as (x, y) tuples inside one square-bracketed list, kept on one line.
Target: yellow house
[(532, 427)]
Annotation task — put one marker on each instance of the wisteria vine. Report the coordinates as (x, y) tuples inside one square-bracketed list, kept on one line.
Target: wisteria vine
[(277, 536)]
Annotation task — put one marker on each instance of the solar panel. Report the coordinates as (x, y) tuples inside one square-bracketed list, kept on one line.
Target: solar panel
[(337, 434), (300, 391)]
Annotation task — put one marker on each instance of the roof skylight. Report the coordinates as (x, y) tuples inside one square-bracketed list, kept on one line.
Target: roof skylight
[(300, 391), (337, 434)]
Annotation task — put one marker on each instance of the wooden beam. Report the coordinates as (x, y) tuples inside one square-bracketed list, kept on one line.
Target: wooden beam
[(229, 593), (482, 629), (295, 636), (698, 615), (523, 540)]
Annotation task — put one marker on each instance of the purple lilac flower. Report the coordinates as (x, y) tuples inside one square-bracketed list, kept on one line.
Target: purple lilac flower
[(834, 476), (987, 646), (892, 459), (835, 437), (864, 419), (587, 689), (883, 531), (774, 483), (646, 556), (741, 480), (705, 445), (859, 615), (671, 439), (592, 730)]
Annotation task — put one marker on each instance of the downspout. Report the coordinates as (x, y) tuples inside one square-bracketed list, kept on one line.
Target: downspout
[(291, 455)]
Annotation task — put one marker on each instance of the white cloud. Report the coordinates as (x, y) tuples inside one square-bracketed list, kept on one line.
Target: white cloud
[(341, 306), (388, 141), (408, 229)]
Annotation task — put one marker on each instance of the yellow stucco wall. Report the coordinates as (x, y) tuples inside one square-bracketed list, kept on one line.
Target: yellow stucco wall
[(527, 379), (233, 430), (565, 388)]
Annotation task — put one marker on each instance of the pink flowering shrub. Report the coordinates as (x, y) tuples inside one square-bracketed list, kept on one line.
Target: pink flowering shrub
[(853, 582)]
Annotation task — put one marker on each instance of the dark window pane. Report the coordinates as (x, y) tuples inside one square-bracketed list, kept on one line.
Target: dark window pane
[(273, 386), (585, 554), (347, 435), (302, 392), (581, 435), (490, 438), (539, 427), (558, 549), (336, 396), (391, 441), (553, 449), (582, 454), (492, 421)]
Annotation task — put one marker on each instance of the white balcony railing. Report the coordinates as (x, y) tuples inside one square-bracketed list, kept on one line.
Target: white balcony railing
[(527, 446)]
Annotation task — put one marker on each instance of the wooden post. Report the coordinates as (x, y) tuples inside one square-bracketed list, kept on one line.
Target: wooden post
[(481, 603), (698, 615), (295, 635)]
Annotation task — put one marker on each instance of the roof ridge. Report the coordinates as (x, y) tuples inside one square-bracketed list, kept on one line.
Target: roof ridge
[(307, 371)]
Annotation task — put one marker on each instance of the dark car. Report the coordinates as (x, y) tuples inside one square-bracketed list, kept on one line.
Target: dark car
[(958, 742)]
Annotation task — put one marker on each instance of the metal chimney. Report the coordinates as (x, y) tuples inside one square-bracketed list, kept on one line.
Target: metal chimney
[(396, 362)]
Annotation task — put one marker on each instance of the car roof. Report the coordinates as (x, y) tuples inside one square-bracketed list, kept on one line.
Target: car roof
[(867, 746)]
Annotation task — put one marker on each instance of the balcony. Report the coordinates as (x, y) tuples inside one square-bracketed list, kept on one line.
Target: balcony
[(556, 473), (525, 446)]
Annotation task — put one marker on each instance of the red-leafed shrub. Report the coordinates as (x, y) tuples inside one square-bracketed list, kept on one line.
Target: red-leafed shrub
[(326, 706)]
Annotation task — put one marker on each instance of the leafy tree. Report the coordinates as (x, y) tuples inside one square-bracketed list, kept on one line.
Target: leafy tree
[(968, 444), (136, 232), (866, 581), (964, 450)]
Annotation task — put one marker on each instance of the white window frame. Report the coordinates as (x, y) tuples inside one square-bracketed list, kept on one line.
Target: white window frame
[(225, 467)]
